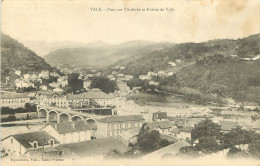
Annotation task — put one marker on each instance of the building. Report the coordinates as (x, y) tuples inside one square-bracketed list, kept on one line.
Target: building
[(13, 100), (128, 77), (69, 132), (20, 144), (57, 90), (115, 125), (54, 85), (86, 84), (44, 87), (183, 133), (161, 73), (53, 99), (173, 64), (62, 81), (164, 127), (123, 86), (54, 74), (154, 83), (144, 77), (93, 148), (44, 74), (18, 72), (94, 96), (160, 116), (23, 84)]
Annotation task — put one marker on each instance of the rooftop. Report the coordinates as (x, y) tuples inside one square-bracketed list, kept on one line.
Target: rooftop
[(121, 118), (94, 147), (41, 137), (11, 95), (92, 94), (69, 127), (160, 124), (110, 119)]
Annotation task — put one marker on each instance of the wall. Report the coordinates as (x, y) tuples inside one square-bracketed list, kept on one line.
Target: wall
[(15, 147)]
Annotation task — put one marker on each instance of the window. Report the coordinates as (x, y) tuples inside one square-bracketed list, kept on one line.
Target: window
[(135, 124), (52, 142), (124, 125), (35, 145)]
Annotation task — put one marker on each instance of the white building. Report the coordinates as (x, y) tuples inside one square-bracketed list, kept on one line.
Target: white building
[(173, 64), (44, 74), (144, 77), (23, 84), (69, 132), (17, 72), (14, 100), (154, 83), (86, 84), (20, 144)]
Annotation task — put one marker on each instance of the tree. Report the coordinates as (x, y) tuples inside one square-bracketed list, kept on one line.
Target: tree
[(236, 136), (75, 83), (189, 151), (149, 141), (254, 148), (207, 145), (104, 84), (206, 128)]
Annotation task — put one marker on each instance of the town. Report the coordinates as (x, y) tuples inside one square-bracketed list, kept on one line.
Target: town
[(53, 119)]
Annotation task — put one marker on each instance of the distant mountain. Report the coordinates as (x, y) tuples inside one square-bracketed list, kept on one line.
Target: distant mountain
[(15, 55), (191, 52), (43, 48), (101, 56)]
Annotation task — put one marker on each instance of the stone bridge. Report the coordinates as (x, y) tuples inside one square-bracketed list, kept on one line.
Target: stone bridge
[(54, 114)]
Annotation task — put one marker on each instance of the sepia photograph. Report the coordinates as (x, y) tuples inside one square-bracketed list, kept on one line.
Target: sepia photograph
[(130, 82)]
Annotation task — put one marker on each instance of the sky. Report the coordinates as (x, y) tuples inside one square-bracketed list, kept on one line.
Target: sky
[(72, 20)]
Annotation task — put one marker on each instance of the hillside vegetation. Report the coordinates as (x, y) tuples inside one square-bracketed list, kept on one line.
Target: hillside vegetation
[(191, 52), (100, 57), (15, 56)]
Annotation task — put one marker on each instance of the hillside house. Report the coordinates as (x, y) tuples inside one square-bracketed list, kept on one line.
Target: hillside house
[(69, 132), (18, 72), (154, 83), (173, 64), (256, 126), (86, 84), (115, 125), (44, 74), (162, 73), (163, 127), (43, 87), (20, 144), (144, 77), (226, 126)]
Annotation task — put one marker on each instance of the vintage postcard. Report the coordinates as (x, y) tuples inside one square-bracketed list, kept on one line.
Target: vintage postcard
[(130, 82)]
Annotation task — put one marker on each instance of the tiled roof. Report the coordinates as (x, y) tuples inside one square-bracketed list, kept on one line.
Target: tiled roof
[(186, 129), (11, 95), (92, 94), (169, 138), (160, 124), (172, 149), (41, 137), (175, 131), (69, 127), (94, 147), (121, 118), (228, 125)]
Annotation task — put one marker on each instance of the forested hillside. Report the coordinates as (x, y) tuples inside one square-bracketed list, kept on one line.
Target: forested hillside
[(15, 56)]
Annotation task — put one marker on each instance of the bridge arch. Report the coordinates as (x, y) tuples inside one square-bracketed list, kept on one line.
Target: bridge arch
[(76, 118), (53, 116), (64, 117), (91, 122), (42, 113)]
